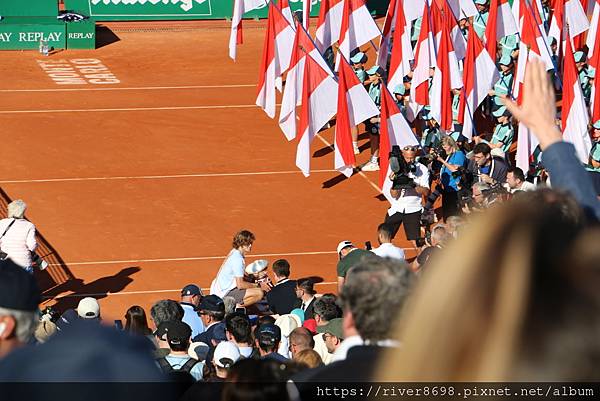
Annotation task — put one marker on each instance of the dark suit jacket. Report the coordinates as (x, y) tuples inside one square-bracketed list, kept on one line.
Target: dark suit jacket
[(358, 367), (309, 312), (282, 298)]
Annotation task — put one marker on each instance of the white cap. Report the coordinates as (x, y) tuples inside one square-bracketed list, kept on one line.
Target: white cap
[(226, 354), (343, 245), (287, 324), (88, 308)]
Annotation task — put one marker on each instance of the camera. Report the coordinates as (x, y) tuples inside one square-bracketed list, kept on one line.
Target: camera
[(401, 169), (50, 314)]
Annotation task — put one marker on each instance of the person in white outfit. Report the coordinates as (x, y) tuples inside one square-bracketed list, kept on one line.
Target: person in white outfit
[(386, 249), (18, 240)]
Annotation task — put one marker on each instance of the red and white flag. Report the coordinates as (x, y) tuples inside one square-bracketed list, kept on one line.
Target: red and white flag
[(501, 23), (319, 105), (240, 7), (329, 23), (354, 106), (447, 76), (567, 12), (292, 94), (402, 52), (277, 52), (592, 34), (358, 27), (440, 11), (287, 11), (394, 130), (462, 8), (479, 76), (574, 116), (424, 60), (306, 7)]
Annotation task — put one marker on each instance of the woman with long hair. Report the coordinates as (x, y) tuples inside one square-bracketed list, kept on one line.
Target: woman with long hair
[(136, 322)]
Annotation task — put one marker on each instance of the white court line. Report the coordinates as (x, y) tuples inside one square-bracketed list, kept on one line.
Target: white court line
[(110, 262), (363, 175), (135, 88), (235, 106), (156, 177), (98, 294)]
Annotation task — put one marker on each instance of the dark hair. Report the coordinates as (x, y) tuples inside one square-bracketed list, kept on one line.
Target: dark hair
[(326, 310), (216, 315), (258, 380), (136, 322), (238, 325), (243, 238), (302, 337), (281, 267), (386, 230), (517, 173), (307, 286), (166, 310), (183, 346), (483, 148), (373, 288)]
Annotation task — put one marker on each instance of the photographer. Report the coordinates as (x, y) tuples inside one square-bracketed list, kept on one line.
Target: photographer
[(486, 168), (410, 183), (455, 159)]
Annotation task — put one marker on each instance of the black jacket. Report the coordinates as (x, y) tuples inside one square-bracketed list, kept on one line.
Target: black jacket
[(499, 170), (282, 298), (309, 312)]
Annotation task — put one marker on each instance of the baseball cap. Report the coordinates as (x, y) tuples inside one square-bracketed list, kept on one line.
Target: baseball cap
[(579, 56), (481, 2), (400, 89), (358, 58), (212, 303), (506, 59), (596, 124), (501, 111), (334, 326), (66, 319), (226, 354), (18, 289), (375, 70), (88, 308), (342, 245), (191, 289), (268, 333), (287, 323), (178, 332), (299, 313)]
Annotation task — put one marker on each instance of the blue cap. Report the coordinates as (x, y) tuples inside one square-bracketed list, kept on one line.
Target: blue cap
[(502, 111), (400, 90), (298, 312), (506, 59), (481, 2), (191, 289), (426, 113), (596, 125), (579, 56), (359, 57), (375, 70)]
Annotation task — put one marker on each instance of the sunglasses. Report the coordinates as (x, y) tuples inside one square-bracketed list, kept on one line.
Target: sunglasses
[(411, 148)]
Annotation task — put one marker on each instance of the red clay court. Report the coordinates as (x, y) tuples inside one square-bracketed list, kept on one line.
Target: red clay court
[(138, 186)]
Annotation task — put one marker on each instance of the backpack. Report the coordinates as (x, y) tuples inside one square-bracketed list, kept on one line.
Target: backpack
[(167, 368)]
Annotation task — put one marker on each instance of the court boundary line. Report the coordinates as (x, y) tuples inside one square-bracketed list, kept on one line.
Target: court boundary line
[(127, 88), (104, 110), (158, 177)]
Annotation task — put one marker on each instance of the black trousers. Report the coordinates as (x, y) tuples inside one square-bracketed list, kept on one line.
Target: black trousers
[(412, 224)]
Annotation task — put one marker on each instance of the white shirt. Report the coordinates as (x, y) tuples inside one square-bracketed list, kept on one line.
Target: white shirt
[(321, 349), (409, 201), (525, 186), (342, 351), (19, 241), (190, 316), (389, 250)]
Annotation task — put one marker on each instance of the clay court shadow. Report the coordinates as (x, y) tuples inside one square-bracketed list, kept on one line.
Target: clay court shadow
[(105, 37), (335, 180), (97, 289)]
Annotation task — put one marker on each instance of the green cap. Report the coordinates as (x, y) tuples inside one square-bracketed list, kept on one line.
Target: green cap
[(334, 327), (481, 2), (506, 59), (359, 57), (426, 113), (596, 125), (375, 70), (502, 111), (400, 90), (579, 56)]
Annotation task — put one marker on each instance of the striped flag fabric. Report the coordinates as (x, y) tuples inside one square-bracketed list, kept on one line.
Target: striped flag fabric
[(479, 76), (501, 23), (358, 27), (319, 105), (424, 60), (354, 105), (292, 94), (277, 52), (447, 76), (402, 52), (240, 7), (574, 116), (329, 23), (394, 130), (287, 11), (568, 12)]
